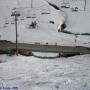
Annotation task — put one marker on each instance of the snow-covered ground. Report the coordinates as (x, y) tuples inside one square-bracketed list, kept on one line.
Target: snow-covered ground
[(45, 55), (30, 73), (45, 31)]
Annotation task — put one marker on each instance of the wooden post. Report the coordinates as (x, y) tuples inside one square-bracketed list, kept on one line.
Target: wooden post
[(85, 6), (16, 15), (31, 3), (16, 34)]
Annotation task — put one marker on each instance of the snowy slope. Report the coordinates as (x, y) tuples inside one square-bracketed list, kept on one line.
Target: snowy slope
[(45, 31), (30, 73), (77, 21)]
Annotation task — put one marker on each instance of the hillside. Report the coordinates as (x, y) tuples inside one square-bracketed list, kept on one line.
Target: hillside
[(47, 19), (38, 25)]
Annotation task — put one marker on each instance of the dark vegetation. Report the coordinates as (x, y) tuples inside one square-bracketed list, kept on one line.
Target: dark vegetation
[(29, 53), (68, 32), (54, 6), (51, 22)]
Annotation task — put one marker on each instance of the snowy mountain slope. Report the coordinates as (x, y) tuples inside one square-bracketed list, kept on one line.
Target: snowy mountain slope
[(30, 73), (45, 31), (78, 21)]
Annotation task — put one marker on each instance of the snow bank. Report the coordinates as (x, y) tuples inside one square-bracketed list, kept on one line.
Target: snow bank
[(43, 54), (30, 73)]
